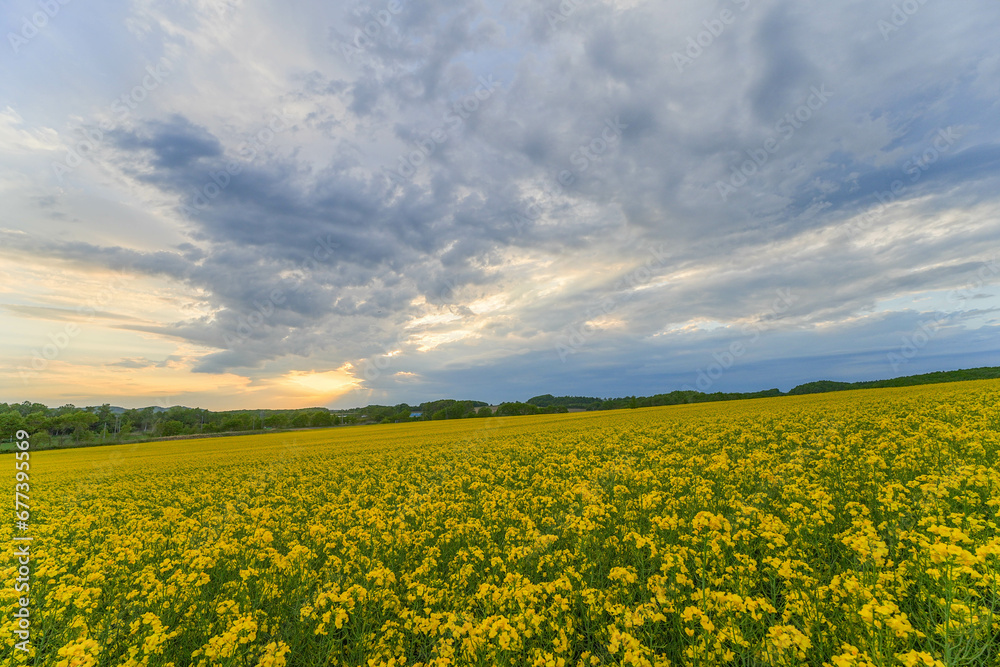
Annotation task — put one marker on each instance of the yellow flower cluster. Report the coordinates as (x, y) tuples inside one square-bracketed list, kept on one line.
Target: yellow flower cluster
[(849, 529), (78, 653)]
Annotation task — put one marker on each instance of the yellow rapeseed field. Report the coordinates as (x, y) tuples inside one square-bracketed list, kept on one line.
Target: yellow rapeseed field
[(856, 528)]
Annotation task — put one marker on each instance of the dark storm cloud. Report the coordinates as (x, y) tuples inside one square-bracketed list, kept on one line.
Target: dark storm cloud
[(175, 143)]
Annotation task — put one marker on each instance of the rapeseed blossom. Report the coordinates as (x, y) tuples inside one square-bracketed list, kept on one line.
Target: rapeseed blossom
[(849, 529)]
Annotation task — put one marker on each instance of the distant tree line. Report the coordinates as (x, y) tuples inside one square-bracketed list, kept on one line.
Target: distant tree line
[(986, 373), (69, 424), (672, 398), (679, 397), (448, 409)]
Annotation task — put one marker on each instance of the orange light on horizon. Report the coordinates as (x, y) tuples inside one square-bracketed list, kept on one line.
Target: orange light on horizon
[(324, 385)]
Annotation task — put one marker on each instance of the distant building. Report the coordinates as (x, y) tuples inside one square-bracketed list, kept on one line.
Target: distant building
[(416, 414)]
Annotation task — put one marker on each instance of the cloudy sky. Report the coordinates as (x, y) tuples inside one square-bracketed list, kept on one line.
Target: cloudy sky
[(259, 204)]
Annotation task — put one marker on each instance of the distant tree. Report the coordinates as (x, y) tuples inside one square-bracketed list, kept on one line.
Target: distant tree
[(452, 409), (379, 413), (580, 402), (321, 418), (820, 386), (78, 423), (36, 422), (105, 419), (543, 401), (277, 421), (10, 423), (232, 423), (457, 409), (191, 418), (301, 419), (27, 407), (516, 408), (170, 427), (142, 419)]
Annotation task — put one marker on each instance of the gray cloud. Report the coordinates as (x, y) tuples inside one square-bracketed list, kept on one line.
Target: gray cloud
[(174, 143)]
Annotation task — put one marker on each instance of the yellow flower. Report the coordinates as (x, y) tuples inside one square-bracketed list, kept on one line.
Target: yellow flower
[(504, 541), (274, 655)]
